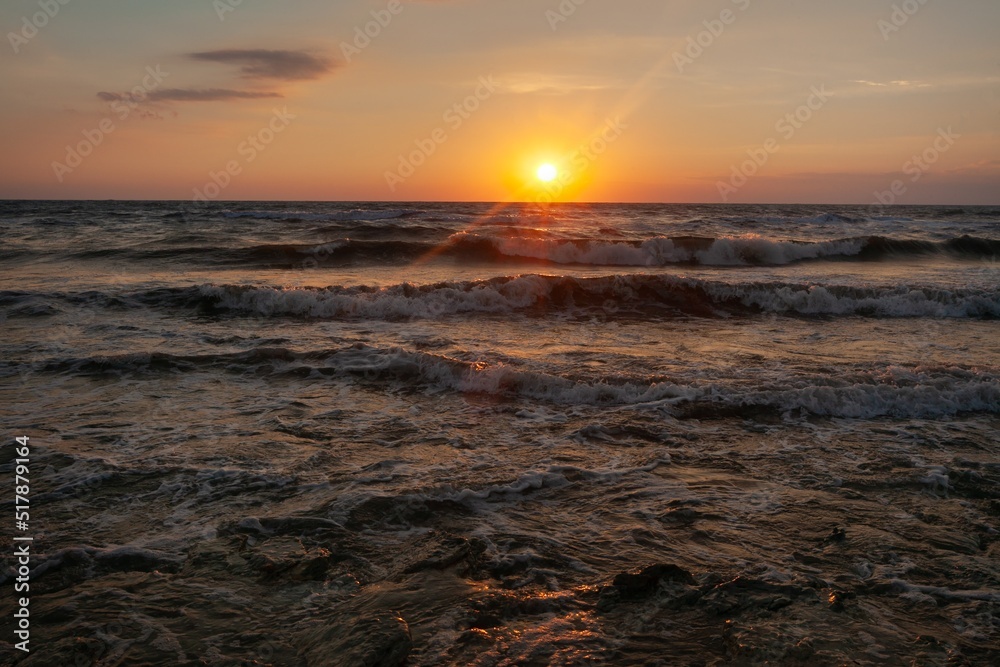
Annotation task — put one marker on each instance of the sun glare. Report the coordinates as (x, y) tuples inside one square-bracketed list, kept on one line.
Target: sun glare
[(546, 173)]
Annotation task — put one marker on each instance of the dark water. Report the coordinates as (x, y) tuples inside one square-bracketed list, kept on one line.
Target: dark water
[(462, 434)]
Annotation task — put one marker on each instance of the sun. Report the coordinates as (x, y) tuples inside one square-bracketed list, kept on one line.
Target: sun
[(547, 173)]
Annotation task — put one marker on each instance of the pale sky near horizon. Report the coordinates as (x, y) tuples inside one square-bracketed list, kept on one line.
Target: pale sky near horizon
[(661, 119)]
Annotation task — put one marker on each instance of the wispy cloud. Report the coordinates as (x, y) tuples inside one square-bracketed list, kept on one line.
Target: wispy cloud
[(979, 167), (547, 84), (886, 84), (188, 95), (266, 64)]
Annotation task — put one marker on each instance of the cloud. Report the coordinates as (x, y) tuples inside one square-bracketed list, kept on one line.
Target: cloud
[(978, 167), (552, 84), (208, 95), (253, 63), (266, 64), (187, 95), (898, 83)]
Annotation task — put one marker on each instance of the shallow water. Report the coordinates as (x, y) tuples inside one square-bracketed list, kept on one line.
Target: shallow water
[(457, 434)]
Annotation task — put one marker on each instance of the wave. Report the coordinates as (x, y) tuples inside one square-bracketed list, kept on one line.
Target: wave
[(335, 216), (408, 231), (369, 244), (621, 295), (965, 212), (277, 255), (894, 392), (618, 296), (709, 251), (790, 218), (663, 251)]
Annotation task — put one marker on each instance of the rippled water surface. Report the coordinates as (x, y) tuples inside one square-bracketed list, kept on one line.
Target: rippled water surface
[(462, 434)]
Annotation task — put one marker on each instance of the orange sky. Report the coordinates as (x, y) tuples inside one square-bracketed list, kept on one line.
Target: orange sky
[(639, 100)]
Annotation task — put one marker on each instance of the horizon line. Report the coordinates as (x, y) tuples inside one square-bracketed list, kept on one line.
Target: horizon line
[(486, 202)]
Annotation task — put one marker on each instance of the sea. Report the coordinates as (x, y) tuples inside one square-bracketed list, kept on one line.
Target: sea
[(385, 434)]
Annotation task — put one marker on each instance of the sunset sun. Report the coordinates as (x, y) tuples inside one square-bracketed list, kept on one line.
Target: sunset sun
[(547, 173)]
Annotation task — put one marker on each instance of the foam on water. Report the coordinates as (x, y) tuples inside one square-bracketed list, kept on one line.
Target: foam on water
[(899, 393), (787, 455), (570, 295)]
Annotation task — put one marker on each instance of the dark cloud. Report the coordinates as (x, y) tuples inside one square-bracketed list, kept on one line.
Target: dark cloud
[(208, 95), (187, 95), (265, 64), (253, 64)]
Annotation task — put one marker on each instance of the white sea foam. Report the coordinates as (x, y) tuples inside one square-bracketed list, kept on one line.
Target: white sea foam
[(946, 593), (326, 248), (939, 394), (881, 400), (929, 392), (892, 302), (499, 379), (401, 301), (619, 292)]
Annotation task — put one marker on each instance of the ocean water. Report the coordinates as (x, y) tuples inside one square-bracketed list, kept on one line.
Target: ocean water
[(472, 434)]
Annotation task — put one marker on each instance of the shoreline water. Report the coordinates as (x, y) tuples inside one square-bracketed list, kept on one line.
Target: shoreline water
[(497, 438)]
